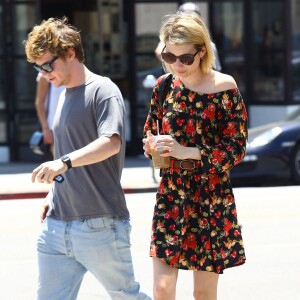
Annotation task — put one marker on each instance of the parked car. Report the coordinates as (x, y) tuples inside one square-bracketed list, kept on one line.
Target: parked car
[(273, 152)]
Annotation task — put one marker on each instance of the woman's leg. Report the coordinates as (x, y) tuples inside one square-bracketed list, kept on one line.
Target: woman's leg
[(205, 285), (164, 281)]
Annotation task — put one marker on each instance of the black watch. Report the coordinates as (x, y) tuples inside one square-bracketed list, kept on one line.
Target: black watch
[(66, 160)]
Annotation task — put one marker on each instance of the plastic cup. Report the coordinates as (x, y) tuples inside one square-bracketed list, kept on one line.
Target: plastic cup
[(158, 161)]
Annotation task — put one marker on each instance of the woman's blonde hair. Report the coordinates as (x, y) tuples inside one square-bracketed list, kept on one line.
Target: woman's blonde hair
[(187, 28), (56, 36)]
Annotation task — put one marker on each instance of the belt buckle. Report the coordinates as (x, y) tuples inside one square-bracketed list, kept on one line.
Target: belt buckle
[(182, 161)]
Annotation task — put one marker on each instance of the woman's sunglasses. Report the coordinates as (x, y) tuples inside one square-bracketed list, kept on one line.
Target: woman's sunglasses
[(186, 59), (46, 67)]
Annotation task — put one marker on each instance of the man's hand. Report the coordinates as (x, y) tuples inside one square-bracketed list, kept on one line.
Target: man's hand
[(46, 172), (44, 210)]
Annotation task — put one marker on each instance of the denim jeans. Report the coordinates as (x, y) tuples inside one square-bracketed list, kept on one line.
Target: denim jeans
[(68, 249)]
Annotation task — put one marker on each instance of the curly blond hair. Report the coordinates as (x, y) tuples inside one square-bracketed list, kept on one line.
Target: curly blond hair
[(55, 36), (187, 28)]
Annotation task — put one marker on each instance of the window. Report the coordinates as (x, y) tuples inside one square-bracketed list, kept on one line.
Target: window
[(2, 84), (24, 21), (3, 137), (295, 4), (268, 51), (25, 84), (148, 21), (229, 35), (1, 30)]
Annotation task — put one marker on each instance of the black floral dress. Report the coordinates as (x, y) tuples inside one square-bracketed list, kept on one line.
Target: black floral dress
[(195, 223)]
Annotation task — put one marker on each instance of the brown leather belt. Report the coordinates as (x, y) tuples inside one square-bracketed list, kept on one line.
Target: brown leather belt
[(185, 164)]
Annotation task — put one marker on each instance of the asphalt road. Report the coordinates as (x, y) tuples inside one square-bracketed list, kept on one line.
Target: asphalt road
[(270, 218)]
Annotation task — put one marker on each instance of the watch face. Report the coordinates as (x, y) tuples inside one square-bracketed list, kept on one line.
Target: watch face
[(67, 161)]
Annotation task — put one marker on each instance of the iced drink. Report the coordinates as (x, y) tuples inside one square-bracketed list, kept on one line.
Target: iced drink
[(159, 162)]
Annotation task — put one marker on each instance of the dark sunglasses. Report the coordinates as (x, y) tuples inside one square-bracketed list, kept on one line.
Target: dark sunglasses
[(46, 67), (186, 59)]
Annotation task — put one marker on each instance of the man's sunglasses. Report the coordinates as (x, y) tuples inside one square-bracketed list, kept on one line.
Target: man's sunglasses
[(186, 59), (46, 67)]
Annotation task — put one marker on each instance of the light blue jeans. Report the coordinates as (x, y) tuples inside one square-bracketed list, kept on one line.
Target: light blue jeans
[(67, 250)]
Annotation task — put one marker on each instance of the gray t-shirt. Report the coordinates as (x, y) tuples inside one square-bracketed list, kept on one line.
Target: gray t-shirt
[(84, 113)]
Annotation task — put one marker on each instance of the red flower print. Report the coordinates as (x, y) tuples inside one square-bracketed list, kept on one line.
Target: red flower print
[(179, 181), (203, 222), (223, 253), (192, 112), (170, 198), (191, 241), (179, 122), (209, 112), (172, 227), (190, 127), (227, 226), (218, 214), (217, 155), (233, 254), (197, 197), (176, 82), (178, 94), (166, 126), (193, 257), (227, 104), (230, 130), (236, 233), (207, 245), (175, 212), (173, 260), (213, 222)]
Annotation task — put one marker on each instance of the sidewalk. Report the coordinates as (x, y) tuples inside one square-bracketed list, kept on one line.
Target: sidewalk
[(15, 179)]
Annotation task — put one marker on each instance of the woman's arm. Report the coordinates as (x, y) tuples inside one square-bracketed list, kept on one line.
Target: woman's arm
[(40, 105)]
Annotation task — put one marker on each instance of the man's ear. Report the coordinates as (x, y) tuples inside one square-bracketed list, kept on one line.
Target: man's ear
[(71, 53)]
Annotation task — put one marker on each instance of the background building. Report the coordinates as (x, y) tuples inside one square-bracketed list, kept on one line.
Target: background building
[(258, 43)]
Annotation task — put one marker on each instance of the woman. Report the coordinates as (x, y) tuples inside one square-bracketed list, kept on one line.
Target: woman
[(195, 224), (47, 96)]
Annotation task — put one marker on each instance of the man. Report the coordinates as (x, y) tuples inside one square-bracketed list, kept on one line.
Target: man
[(85, 220), (191, 7)]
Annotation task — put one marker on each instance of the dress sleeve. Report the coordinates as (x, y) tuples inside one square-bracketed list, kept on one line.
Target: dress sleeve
[(230, 146), (155, 111)]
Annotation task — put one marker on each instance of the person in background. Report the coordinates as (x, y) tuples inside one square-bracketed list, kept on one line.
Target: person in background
[(85, 219), (192, 7), (195, 225), (47, 96)]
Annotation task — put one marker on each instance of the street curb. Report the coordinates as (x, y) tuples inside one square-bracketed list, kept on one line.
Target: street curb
[(34, 195)]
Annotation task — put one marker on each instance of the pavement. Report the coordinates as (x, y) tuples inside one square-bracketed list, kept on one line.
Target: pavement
[(15, 179)]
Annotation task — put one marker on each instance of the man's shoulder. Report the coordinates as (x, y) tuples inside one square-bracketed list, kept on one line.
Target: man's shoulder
[(102, 81)]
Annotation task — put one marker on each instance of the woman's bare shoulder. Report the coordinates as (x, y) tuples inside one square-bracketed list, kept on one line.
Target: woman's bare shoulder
[(224, 82)]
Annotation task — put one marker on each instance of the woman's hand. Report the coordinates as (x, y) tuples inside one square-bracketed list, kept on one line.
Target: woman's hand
[(170, 147), (146, 143), (48, 137)]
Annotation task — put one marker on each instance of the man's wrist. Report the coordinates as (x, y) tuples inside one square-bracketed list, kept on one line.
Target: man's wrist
[(67, 161)]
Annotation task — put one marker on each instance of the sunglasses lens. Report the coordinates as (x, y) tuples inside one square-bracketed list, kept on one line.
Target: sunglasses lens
[(38, 68), (47, 68), (169, 58), (186, 59)]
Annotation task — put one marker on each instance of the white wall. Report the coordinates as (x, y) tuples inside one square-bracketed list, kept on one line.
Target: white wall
[(263, 114), (4, 154)]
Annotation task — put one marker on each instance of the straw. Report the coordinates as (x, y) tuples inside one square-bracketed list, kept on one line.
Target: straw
[(157, 126)]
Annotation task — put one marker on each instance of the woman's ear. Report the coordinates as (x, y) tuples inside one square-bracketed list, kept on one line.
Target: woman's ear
[(202, 52)]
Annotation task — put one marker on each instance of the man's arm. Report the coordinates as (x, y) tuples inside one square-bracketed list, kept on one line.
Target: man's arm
[(98, 150)]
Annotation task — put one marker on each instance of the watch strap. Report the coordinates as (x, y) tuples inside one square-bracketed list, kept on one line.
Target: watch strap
[(66, 160)]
